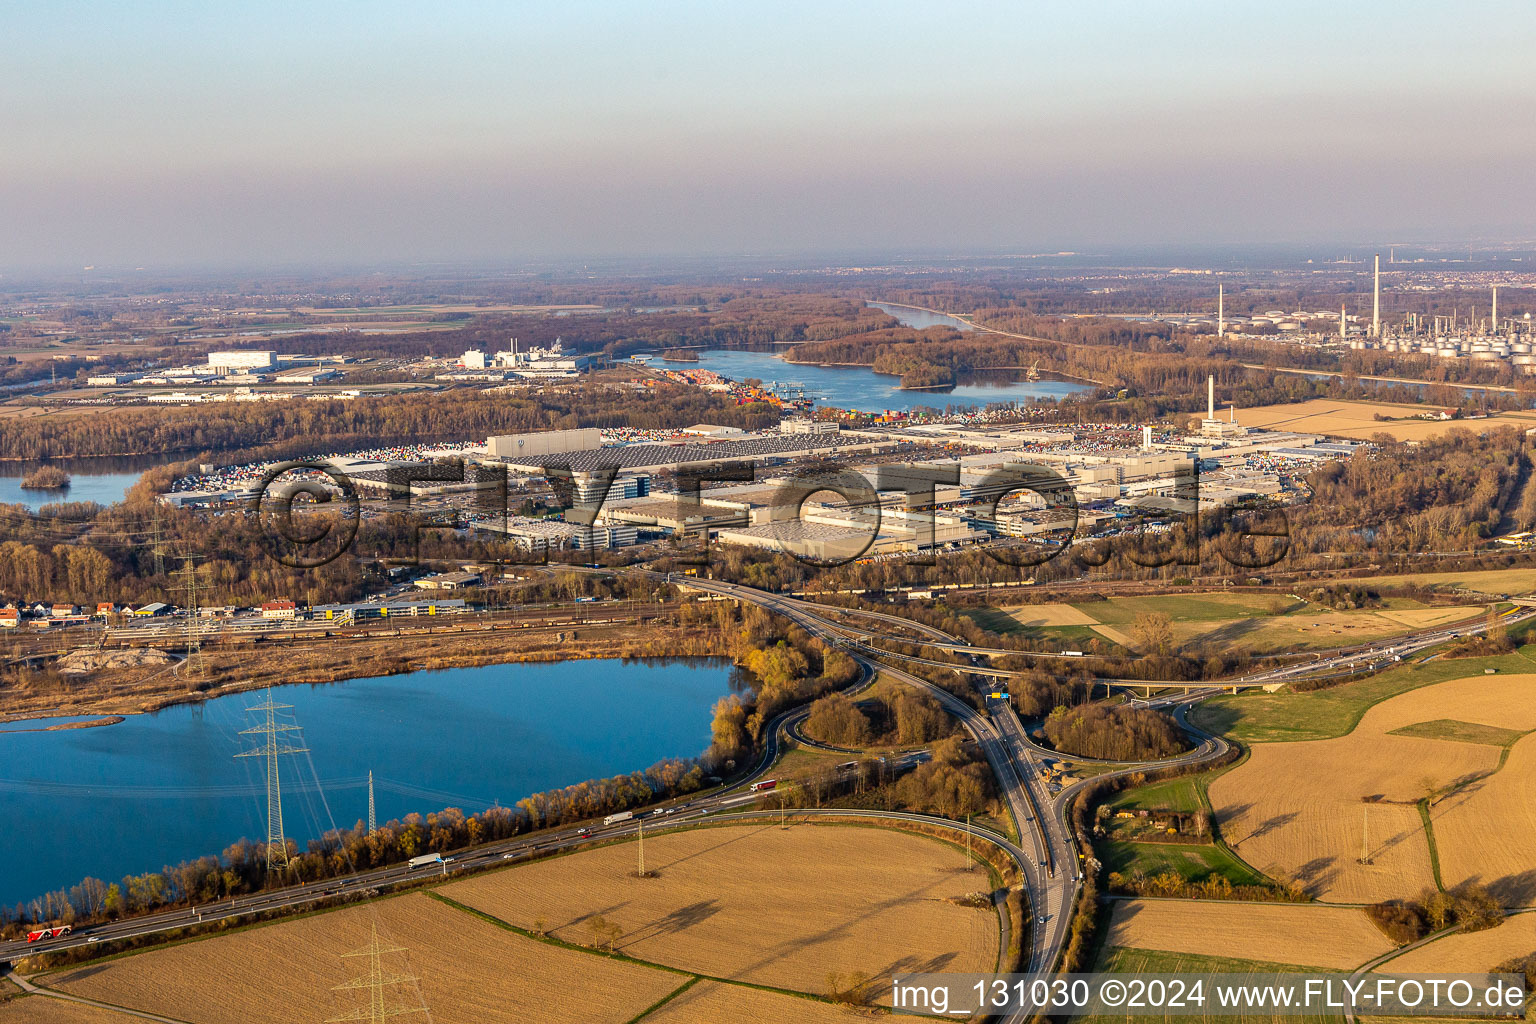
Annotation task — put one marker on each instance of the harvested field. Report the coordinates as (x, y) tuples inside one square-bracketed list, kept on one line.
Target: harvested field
[(1336, 938), (1474, 952), (1420, 618), (1287, 716), (1050, 615), (469, 971), (1486, 581), (1358, 419), (759, 903), (46, 1010), (1119, 960), (1316, 628), (1487, 831), (1303, 810), (710, 1002), (1116, 636)]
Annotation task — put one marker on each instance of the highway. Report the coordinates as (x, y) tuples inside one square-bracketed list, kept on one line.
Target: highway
[(685, 812), (1052, 878), (1045, 852)]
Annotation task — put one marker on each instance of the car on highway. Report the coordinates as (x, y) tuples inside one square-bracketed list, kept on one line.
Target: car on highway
[(583, 832)]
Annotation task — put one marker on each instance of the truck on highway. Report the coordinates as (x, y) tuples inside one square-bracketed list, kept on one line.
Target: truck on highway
[(613, 819), (56, 932), (423, 861), (764, 786)]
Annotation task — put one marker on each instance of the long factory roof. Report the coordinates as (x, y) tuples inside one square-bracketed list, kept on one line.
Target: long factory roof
[(639, 456)]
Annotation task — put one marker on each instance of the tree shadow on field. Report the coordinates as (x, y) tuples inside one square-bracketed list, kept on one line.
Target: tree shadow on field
[(1227, 815), (1266, 826), (1317, 874), (1514, 890), (678, 920), (595, 912), (1229, 632), (76, 975), (912, 965), (772, 953)]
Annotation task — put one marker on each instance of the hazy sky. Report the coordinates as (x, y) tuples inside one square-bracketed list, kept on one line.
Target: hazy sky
[(178, 133)]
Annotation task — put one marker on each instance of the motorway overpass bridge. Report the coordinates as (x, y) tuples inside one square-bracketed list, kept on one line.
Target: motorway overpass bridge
[(1144, 686)]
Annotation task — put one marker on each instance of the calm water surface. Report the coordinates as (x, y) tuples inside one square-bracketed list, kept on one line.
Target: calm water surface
[(157, 789), (102, 480), (859, 387)]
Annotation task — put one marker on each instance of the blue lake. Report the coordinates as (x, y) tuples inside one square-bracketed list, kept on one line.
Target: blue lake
[(859, 387), (911, 316), (103, 480), (158, 789)]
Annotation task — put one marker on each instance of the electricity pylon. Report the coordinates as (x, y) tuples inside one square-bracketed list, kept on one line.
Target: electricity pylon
[(271, 748), (157, 543), (373, 824), (377, 984), (194, 660)]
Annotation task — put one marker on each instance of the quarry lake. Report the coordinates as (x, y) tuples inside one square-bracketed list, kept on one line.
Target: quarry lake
[(104, 479), (859, 387), (157, 789)]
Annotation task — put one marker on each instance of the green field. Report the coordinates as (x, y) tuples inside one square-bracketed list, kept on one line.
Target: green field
[(1253, 717), (1141, 961), (1460, 732), (1192, 862), (1122, 611), (1171, 795)]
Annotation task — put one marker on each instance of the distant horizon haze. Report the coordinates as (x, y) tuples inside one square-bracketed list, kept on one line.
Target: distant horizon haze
[(176, 135)]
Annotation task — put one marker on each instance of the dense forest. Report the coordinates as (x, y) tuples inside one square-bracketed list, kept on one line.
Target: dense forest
[(1114, 733), (902, 719), (298, 427)]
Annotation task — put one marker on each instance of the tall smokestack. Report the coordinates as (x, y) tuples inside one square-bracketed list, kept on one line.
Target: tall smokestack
[(1221, 311), (1210, 397), (1341, 321), (1376, 302), (1494, 327), (1146, 439)]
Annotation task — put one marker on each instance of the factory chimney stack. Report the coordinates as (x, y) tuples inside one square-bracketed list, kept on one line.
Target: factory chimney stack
[(1376, 302)]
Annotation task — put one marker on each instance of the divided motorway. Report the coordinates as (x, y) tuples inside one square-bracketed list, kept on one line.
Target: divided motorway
[(1046, 855), (369, 882)]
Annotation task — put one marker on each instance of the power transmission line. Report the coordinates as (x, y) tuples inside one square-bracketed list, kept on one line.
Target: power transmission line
[(372, 822), (159, 546), (194, 659), (271, 748), (377, 984)]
